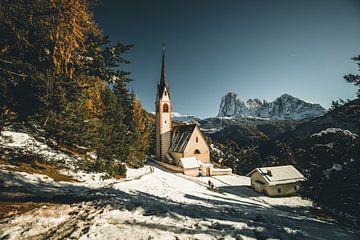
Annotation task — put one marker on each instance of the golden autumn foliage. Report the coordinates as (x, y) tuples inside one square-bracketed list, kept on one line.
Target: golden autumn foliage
[(63, 23), (92, 89), (67, 31)]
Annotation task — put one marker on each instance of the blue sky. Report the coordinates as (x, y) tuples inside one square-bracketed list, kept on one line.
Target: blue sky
[(258, 49)]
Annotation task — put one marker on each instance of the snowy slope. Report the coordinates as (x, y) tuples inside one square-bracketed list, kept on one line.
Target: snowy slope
[(152, 203), (164, 205), (283, 108)]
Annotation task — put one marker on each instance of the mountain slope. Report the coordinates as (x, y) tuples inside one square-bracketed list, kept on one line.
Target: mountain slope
[(345, 117), (285, 107)]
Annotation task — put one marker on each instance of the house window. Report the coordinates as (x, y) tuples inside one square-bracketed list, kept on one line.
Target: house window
[(165, 108), (279, 190), (196, 151), (197, 139)]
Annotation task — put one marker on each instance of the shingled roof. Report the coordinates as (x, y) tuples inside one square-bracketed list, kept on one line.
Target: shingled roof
[(181, 136), (279, 175)]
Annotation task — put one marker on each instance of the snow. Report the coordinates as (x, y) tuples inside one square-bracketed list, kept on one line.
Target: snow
[(164, 205), (184, 118), (24, 143), (153, 203), (210, 130), (335, 167), (334, 131), (284, 107), (327, 145)]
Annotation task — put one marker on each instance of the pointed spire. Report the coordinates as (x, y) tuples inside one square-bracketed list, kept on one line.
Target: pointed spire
[(163, 74), (163, 82)]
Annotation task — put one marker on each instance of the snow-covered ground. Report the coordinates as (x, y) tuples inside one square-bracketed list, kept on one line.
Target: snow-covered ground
[(164, 205), (153, 203)]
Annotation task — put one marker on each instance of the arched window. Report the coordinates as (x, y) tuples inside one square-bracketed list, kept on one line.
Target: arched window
[(196, 151), (165, 108), (197, 139), (165, 93)]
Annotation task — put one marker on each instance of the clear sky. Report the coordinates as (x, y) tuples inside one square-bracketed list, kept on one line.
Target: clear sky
[(256, 48)]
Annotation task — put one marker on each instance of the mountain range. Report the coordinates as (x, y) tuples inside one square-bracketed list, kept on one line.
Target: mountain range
[(285, 107)]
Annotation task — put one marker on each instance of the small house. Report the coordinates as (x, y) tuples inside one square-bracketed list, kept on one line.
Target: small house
[(276, 181)]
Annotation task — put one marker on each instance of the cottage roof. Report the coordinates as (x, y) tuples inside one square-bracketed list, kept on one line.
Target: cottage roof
[(181, 136), (279, 175), (190, 162)]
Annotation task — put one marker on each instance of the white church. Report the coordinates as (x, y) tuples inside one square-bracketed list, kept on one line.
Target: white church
[(183, 146)]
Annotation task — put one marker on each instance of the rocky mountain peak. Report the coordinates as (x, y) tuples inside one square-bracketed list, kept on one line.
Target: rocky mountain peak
[(285, 107)]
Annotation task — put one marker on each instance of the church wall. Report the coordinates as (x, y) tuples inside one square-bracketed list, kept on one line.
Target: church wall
[(199, 145), (176, 156)]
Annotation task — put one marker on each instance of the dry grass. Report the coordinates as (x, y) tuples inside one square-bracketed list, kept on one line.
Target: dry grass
[(119, 177), (70, 151), (35, 166), (10, 209)]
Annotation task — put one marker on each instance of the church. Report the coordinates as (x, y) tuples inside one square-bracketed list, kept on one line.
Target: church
[(183, 145)]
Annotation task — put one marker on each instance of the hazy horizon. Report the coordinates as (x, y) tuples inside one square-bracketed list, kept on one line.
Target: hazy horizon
[(257, 49)]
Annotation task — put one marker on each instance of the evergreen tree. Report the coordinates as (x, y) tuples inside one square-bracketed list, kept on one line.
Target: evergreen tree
[(355, 79), (112, 148), (42, 43), (140, 135)]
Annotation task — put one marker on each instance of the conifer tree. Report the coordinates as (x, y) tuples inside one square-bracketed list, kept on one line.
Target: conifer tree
[(355, 79), (112, 148), (140, 136)]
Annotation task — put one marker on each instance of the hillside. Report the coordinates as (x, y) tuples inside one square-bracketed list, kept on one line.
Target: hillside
[(325, 149), (271, 128), (344, 117), (150, 203)]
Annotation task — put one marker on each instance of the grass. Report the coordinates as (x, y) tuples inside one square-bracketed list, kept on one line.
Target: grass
[(10, 209), (70, 151), (35, 166)]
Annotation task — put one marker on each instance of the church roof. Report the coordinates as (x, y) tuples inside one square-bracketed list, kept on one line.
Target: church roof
[(163, 81), (181, 136)]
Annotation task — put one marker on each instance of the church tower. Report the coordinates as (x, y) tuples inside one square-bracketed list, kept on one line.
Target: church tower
[(163, 108)]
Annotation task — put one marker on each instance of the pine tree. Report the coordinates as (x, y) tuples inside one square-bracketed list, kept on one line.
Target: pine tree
[(140, 136), (42, 43), (355, 79), (112, 148)]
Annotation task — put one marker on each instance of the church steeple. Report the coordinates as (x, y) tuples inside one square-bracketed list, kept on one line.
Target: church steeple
[(163, 108), (163, 81), (163, 74)]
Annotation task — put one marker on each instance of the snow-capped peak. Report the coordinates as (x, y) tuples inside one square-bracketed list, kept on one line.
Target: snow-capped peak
[(284, 107)]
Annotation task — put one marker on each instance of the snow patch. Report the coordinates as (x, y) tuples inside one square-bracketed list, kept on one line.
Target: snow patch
[(334, 131)]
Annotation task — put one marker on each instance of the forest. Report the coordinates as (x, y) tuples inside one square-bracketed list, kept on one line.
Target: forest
[(60, 73)]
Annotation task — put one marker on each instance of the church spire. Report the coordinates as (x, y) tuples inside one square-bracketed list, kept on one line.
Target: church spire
[(163, 74), (163, 82)]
